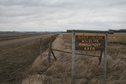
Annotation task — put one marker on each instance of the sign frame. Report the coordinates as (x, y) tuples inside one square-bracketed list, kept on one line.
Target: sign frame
[(73, 50)]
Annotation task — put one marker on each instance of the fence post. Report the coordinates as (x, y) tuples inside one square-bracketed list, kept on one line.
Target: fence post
[(100, 58), (105, 57), (73, 56), (41, 48), (50, 47)]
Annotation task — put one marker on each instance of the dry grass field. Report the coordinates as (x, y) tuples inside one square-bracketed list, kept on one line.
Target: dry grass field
[(16, 61), (87, 70), (10, 36)]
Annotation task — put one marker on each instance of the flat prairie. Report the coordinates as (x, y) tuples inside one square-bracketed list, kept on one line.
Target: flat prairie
[(15, 61), (10, 36), (87, 69)]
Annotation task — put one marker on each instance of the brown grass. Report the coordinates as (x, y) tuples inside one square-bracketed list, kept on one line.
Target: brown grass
[(10, 36), (16, 61), (87, 70)]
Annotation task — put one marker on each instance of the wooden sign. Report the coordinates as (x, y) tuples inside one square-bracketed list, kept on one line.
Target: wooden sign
[(90, 43)]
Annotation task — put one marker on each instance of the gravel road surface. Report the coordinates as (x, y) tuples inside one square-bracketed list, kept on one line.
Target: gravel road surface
[(15, 42)]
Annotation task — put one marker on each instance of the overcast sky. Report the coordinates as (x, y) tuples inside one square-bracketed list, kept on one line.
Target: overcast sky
[(60, 15)]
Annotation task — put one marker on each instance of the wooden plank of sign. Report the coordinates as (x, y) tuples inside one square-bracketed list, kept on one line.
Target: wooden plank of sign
[(90, 43), (90, 40), (89, 48), (89, 37)]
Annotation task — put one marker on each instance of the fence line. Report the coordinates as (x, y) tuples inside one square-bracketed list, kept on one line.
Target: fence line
[(75, 53)]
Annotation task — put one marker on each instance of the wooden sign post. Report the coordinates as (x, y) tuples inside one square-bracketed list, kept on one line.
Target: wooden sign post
[(73, 56), (50, 50), (105, 57)]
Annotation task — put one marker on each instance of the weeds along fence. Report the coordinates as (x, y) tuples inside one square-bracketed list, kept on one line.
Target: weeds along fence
[(84, 43)]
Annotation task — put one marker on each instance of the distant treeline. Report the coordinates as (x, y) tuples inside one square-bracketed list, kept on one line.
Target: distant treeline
[(118, 31)]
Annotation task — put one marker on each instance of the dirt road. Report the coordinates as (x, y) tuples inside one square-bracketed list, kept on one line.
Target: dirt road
[(15, 42)]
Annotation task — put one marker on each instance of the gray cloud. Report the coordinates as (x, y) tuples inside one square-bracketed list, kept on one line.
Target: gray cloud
[(41, 15)]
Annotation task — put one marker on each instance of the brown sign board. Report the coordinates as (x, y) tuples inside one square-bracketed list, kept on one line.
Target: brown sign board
[(90, 43)]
